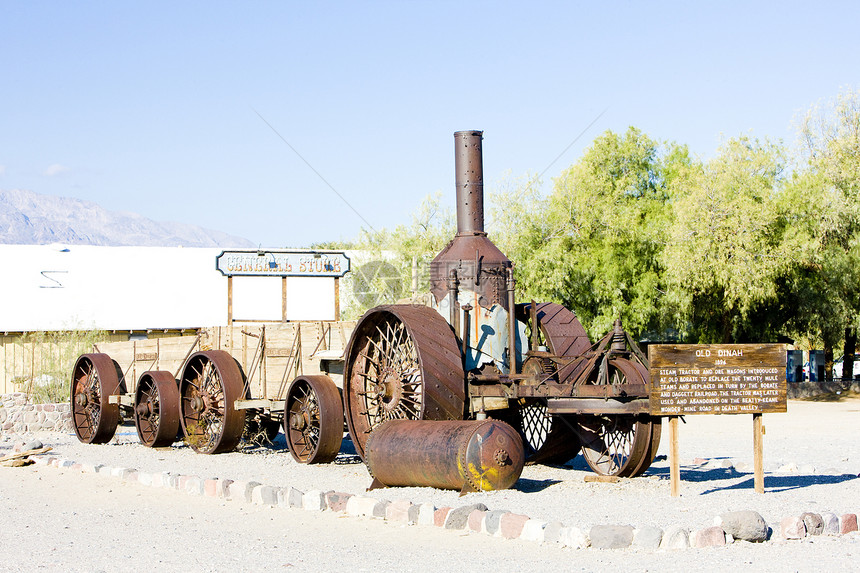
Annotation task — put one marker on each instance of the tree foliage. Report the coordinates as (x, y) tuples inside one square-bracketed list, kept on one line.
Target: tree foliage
[(830, 155), (594, 245), (726, 255), (389, 257), (754, 244)]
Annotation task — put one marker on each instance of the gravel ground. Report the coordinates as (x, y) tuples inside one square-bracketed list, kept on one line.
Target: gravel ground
[(811, 461), (65, 521)]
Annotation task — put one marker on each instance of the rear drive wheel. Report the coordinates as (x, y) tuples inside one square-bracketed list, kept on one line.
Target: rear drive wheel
[(402, 362)]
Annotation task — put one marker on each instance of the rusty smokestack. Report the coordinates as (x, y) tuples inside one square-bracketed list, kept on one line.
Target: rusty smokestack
[(469, 169), (480, 266)]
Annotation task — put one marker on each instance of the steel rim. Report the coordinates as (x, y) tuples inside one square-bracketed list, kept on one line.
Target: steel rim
[(656, 429), (94, 379), (313, 419), (616, 444), (211, 383), (156, 409), (402, 363)]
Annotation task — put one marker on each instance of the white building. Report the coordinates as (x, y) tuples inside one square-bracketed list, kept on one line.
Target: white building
[(71, 287)]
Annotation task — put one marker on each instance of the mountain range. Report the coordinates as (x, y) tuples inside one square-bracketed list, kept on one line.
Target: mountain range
[(28, 218)]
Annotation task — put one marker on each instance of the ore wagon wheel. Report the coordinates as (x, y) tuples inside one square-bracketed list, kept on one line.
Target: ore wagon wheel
[(156, 409), (549, 438), (210, 385), (401, 362), (313, 419), (95, 378), (618, 444)]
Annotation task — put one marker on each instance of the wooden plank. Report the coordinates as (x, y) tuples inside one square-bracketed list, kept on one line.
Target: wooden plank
[(758, 453), (336, 298), (591, 478), (230, 300), (284, 299), (674, 461), (41, 450)]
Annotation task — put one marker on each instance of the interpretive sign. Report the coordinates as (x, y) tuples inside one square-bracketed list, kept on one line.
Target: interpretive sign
[(717, 379), (282, 263)]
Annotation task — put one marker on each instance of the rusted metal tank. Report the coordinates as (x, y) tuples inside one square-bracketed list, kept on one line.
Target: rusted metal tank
[(466, 455)]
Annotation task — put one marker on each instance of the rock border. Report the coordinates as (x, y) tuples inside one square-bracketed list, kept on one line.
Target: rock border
[(478, 518)]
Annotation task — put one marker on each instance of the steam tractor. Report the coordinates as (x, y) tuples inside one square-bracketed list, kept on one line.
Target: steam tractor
[(472, 353), (475, 352)]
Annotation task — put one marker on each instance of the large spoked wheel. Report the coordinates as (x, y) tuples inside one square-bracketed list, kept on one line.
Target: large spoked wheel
[(95, 378), (156, 409), (548, 438), (210, 385), (401, 362), (618, 444), (313, 419)]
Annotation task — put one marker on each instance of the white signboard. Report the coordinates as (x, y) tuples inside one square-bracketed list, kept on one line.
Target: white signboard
[(282, 263)]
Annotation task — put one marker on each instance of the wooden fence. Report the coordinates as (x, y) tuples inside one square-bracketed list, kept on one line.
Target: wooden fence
[(30, 360)]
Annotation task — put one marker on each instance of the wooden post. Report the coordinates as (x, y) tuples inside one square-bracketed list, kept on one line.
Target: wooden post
[(230, 300), (264, 390), (283, 299), (336, 298), (758, 454), (674, 461)]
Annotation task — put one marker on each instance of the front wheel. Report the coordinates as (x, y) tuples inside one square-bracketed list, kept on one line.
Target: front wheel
[(402, 362), (622, 445)]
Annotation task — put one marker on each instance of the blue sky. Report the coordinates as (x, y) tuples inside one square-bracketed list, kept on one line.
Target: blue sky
[(151, 107)]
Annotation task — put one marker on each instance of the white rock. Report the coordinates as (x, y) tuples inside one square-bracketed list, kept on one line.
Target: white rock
[(533, 530), (360, 506), (573, 537), (426, 514), (314, 500)]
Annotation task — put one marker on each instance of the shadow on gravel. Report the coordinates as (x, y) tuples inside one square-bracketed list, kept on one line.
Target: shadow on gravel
[(696, 474), (533, 485), (786, 482), (577, 463), (347, 454)]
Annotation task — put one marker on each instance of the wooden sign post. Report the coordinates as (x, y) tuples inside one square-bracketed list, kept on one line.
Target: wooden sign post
[(692, 379)]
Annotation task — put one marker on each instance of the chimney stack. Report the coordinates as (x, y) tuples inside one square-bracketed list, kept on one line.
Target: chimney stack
[(478, 265), (469, 169)]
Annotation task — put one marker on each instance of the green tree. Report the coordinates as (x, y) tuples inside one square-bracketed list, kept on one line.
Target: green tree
[(595, 244), (830, 182), (385, 274), (727, 257)]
